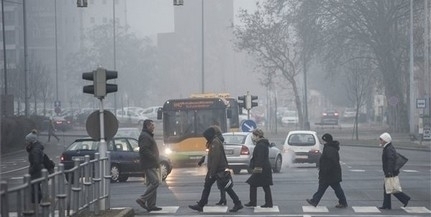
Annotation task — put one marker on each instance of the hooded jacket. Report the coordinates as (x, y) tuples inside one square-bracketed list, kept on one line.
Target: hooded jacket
[(329, 163), (217, 161)]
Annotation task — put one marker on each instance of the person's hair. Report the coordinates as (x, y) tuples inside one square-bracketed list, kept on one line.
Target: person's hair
[(147, 123)]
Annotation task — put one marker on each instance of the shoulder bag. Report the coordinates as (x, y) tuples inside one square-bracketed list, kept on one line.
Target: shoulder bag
[(400, 160)]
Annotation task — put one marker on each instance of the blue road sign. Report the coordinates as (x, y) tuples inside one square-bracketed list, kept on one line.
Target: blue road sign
[(248, 125)]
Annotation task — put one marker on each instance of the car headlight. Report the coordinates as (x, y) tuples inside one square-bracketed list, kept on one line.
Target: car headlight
[(168, 151)]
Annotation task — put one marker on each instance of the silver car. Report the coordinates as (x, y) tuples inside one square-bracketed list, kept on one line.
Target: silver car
[(239, 147)]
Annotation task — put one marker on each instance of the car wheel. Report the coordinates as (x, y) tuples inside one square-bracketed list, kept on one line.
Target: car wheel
[(236, 171), (277, 165), (164, 168), (115, 173)]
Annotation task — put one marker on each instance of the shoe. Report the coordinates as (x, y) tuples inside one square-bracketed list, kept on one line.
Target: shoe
[(250, 204), (196, 207), (142, 204), (341, 205), (382, 207), (407, 202), (221, 203), (155, 208), (311, 202), (266, 206), (236, 208)]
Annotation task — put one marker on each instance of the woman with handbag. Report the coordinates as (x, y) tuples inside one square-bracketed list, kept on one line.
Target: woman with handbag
[(217, 165), (388, 163), (262, 173)]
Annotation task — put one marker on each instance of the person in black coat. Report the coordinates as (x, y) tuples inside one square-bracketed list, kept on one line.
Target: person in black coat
[(329, 172), (388, 163), (149, 159), (35, 158), (262, 173)]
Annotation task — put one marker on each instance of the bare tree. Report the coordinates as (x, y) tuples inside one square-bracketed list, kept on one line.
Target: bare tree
[(271, 38)]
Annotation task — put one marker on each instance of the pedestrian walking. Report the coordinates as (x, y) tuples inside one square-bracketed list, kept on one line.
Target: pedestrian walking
[(262, 172), (388, 163), (51, 130), (217, 164), (35, 158), (149, 159), (220, 186), (329, 172)]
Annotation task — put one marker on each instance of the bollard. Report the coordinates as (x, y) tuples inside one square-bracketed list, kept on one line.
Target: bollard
[(87, 180), (45, 203), (75, 187), (4, 200), (108, 180), (61, 195), (97, 183), (28, 206)]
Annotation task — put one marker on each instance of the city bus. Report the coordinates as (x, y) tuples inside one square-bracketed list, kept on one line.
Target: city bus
[(184, 121)]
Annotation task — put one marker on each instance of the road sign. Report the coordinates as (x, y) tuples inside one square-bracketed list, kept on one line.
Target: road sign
[(248, 125), (93, 125), (421, 103), (57, 103), (57, 110)]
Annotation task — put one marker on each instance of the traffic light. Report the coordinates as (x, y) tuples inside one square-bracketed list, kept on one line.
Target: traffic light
[(178, 2), (99, 77), (241, 103), (249, 101), (82, 3)]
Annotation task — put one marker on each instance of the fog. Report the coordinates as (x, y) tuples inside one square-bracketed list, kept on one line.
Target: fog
[(162, 51)]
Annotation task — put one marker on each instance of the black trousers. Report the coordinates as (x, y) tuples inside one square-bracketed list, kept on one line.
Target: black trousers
[(268, 195), (401, 196), (337, 189), (209, 181)]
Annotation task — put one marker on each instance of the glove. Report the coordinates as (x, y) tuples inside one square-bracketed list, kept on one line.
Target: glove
[(257, 170), (201, 161)]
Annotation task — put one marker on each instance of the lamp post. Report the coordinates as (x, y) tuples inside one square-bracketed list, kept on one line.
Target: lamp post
[(56, 50), (4, 48), (203, 53)]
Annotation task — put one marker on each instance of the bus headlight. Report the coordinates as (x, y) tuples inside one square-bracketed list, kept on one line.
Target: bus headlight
[(168, 151)]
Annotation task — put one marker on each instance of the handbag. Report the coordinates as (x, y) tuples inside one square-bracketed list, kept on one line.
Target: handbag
[(392, 185), (48, 164), (400, 160), (224, 179)]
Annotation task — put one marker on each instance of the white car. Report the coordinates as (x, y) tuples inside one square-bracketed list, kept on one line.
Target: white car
[(130, 117), (289, 118), (239, 147), (304, 146)]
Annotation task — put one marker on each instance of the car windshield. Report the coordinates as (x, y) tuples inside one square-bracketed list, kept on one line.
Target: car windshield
[(83, 145), (134, 133), (302, 139), (234, 139)]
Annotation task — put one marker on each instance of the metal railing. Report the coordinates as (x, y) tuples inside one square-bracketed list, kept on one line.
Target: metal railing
[(62, 193)]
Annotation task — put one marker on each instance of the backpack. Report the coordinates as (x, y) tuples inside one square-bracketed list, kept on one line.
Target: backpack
[(48, 163)]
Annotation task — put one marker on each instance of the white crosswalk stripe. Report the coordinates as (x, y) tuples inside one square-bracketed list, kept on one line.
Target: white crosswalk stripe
[(416, 209), (314, 209), (365, 209)]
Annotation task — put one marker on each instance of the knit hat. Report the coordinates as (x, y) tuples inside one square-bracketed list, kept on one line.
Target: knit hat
[(258, 132), (386, 137), (31, 137), (327, 137)]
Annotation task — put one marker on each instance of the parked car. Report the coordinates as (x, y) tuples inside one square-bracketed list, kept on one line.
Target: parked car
[(349, 113), (130, 117), (304, 146), (239, 147), (329, 117), (150, 112), (128, 132), (60, 123), (125, 161)]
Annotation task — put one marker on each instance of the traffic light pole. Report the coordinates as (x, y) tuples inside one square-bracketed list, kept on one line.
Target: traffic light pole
[(105, 166)]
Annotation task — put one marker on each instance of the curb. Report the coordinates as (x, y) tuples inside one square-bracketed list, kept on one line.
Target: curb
[(126, 212)]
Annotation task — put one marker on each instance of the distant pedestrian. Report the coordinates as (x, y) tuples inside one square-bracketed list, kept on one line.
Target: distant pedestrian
[(35, 158), (51, 130), (262, 172), (329, 172), (388, 163), (149, 158), (217, 164)]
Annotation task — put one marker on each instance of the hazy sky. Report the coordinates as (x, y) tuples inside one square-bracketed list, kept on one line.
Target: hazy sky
[(149, 17)]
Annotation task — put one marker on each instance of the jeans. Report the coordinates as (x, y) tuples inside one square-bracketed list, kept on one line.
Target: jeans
[(152, 179), (338, 192)]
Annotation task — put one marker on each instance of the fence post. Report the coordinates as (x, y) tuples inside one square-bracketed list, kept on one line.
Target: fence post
[(61, 195), (75, 186), (87, 180), (28, 206), (108, 180), (4, 200), (97, 183), (45, 203)]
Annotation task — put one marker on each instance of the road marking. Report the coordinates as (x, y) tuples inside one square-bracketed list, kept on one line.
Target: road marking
[(314, 209), (167, 209), (357, 171), (416, 209), (365, 209), (410, 171), (215, 209), (11, 171), (259, 209)]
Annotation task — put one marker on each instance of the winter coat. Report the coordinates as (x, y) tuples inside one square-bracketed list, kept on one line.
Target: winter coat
[(35, 158), (388, 161), (217, 161), (148, 150), (329, 163), (261, 159)]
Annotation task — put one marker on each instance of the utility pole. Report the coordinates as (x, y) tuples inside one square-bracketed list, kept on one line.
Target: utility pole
[(25, 59)]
